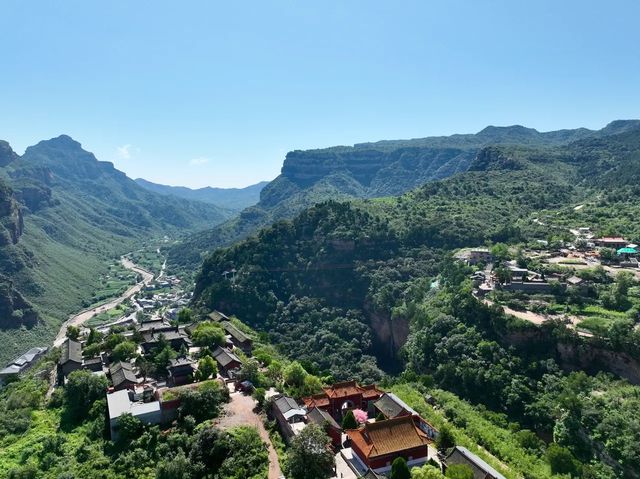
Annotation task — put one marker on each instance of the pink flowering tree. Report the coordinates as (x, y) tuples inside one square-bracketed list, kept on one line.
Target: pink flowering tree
[(360, 416)]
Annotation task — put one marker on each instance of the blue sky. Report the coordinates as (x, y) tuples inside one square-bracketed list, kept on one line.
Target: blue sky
[(215, 93)]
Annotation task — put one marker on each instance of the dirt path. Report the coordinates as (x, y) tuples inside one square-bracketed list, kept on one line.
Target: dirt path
[(538, 319), (84, 316), (239, 412)]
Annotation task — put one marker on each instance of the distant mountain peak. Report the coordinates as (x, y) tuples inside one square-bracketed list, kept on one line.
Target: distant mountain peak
[(61, 141), (492, 130), (621, 126), (7, 155)]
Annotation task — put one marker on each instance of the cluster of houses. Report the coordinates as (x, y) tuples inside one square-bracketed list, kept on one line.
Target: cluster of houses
[(389, 429), (132, 391), (587, 249), (174, 300)]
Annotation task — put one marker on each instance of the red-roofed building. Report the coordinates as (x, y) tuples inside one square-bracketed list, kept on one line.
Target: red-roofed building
[(377, 444), (341, 397), (611, 242)]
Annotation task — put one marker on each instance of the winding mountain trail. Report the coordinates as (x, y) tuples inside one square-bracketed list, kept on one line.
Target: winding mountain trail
[(83, 316)]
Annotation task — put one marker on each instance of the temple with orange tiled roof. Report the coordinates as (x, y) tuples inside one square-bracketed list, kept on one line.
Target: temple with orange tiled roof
[(341, 397), (376, 445)]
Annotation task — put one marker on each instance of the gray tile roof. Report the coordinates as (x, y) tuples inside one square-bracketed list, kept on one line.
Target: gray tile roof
[(462, 455), (71, 351), (122, 371), (388, 406), (319, 417), (224, 356), (235, 333)]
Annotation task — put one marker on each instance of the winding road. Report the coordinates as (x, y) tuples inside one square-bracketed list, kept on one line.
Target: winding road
[(83, 316)]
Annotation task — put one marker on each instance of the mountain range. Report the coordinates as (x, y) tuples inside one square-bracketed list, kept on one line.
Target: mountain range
[(234, 199), (337, 281), (63, 215), (368, 170)]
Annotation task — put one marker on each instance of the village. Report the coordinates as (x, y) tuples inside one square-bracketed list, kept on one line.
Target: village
[(155, 352), (589, 284), (383, 427)]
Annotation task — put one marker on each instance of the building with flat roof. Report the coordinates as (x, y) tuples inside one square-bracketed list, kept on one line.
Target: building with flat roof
[(124, 401)]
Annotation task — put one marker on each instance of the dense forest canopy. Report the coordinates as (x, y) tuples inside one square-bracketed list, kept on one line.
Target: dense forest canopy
[(344, 285)]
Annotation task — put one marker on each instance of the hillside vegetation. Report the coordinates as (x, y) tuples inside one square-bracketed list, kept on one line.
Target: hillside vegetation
[(344, 286), (368, 170), (64, 216)]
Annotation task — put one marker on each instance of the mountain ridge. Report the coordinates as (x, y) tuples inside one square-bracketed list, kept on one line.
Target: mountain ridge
[(234, 199), (65, 215), (369, 170)]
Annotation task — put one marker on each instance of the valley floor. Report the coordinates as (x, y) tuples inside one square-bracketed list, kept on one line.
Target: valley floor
[(84, 316)]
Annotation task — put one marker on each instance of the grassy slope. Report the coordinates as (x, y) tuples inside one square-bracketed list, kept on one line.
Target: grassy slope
[(90, 216), (495, 444)]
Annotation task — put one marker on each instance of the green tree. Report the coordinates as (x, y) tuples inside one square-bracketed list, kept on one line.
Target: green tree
[(310, 456), (275, 371), (294, 374), (163, 358), (503, 275), (185, 315), (263, 357), (248, 455), (94, 337), (562, 461), (124, 351), (129, 428), (80, 392), (500, 252), (73, 332), (311, 385), (208, 334), (259, 395), (207, 367), (349, 421), (459, 471), (426, 472), (250, 372), (202, 403), (399, 469), (445, 439), (607, 254), (208, 452), (178, 467)]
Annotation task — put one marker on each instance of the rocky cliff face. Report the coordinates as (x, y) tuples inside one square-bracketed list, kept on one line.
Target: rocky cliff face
[(15, 311), (11, 219), (7, 155), (378, 173)]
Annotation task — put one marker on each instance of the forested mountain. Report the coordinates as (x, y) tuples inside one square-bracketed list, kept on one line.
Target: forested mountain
[(234, 199), (63, 214), (369, 170), (344, 287)]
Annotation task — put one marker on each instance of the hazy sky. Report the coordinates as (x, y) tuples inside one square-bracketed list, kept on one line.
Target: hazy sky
[(215, 93)]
